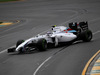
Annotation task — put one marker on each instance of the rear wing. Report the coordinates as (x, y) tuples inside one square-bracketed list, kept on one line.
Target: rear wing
[(82, 25)]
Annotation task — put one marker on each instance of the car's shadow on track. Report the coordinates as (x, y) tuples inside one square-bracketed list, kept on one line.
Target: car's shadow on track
[(24, 53), (62, 46)]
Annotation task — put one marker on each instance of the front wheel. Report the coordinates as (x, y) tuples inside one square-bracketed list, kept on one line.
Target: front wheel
[(19, 42)]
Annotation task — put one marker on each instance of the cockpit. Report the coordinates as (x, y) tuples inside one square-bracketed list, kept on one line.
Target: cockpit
[(58, 29)]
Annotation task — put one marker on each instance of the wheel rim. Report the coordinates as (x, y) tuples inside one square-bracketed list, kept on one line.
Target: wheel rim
[(44, 44), (89, 36)]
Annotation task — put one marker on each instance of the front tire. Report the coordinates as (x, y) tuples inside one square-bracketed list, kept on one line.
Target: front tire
[(19, 42)]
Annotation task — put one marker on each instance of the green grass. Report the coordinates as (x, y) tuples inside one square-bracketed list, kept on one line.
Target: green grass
[(7, 0)]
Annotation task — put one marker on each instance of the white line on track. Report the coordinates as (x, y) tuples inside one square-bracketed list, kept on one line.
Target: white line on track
[(96, 32), (5, 50), (42, 65)]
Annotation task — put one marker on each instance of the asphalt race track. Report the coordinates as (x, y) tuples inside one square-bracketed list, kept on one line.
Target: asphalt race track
[(37, 16)]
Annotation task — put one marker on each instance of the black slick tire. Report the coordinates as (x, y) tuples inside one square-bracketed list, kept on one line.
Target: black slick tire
[(42, 45), (86, 36), (19, 42)]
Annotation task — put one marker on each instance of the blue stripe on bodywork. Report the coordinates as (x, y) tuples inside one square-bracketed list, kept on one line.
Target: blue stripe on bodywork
[(66, 28), (71, 31)]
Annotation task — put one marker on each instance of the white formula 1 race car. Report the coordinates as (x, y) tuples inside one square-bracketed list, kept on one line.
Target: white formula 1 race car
[(57, 35)]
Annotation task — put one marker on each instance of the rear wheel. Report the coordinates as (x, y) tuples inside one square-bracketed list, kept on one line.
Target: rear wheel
[(86, 36), (42, 44)]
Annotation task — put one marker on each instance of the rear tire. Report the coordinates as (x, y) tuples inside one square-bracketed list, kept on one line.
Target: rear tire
[(42, 45), (86, 36)]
